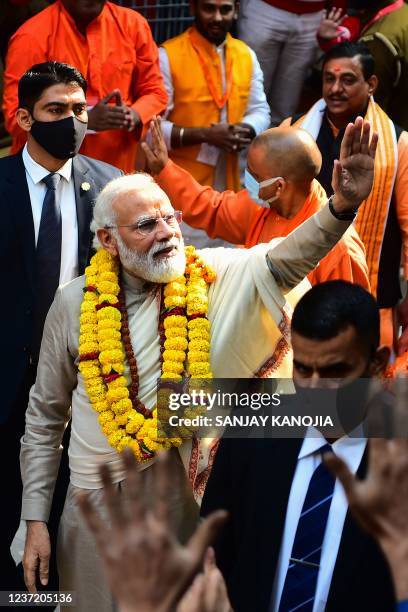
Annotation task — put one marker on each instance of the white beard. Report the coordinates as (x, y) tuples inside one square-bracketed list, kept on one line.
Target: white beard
[(144, 265)]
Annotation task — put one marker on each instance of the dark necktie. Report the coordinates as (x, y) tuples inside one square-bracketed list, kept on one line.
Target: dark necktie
[(301, 579), (48, 259)]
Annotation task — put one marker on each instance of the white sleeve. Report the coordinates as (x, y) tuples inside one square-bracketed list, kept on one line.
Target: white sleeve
[(167, 126), (258, 113)]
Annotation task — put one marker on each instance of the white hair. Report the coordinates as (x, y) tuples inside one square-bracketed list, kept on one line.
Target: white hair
[(140, 183)]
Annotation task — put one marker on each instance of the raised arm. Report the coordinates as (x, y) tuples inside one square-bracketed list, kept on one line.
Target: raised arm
[(224, 215), (293, 258)]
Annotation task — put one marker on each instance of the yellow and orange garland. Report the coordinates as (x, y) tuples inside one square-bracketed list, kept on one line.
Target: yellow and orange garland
[(104, 347)]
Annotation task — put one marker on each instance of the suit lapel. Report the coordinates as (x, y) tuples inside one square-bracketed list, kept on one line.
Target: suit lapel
[(85, 194), (17, 196)]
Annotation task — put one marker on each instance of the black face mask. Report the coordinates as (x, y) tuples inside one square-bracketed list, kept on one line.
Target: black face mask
[(346, 405), (62, 139)]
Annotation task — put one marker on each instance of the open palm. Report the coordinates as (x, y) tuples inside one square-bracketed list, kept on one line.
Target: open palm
[(353, 174)]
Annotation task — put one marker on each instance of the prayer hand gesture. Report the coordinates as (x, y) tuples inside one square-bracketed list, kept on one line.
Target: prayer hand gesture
[(353, 174), (105, 116), (330, 23), (147, 569), (156, 154), (379, 503)]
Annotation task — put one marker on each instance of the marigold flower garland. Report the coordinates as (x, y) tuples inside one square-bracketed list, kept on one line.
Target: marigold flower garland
[(104, 345)]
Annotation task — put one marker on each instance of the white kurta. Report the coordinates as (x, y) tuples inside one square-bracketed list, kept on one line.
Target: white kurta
[(249, 321)]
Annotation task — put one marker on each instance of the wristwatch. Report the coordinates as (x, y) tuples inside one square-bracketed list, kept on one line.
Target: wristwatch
[(347, 216)]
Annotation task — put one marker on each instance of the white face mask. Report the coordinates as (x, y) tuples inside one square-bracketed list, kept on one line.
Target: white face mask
[(253, 187)]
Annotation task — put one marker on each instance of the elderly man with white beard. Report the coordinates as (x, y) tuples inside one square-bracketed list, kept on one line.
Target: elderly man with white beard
[(146, 308)]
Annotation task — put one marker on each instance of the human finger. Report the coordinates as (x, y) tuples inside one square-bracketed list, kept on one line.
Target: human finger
[(365, 138), (206, 533), (150, 156), (356, 142), (30, 563), (92, 519), (193, 599), (345, 147), (373, 144), (337, 175), (44, 568), (209, 559), (112, 498), (109, 97), (133, 485), (164, 478)]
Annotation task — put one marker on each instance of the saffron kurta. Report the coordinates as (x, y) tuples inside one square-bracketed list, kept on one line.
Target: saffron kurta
[(236, 218), (118, 52)]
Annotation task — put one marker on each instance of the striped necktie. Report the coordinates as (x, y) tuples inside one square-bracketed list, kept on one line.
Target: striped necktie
[(301, 578), (48, 259)]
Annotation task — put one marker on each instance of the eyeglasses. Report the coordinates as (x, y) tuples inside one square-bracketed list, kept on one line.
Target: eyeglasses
[(149, 224)]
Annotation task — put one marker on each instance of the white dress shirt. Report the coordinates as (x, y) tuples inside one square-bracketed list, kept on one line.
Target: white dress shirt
[(66, 197), (351, 450)]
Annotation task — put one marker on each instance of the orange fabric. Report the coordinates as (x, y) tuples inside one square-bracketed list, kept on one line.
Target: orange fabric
[(401, 196), (373, 213), (236, 218), (198, 95), (118, 51), (388, 327)]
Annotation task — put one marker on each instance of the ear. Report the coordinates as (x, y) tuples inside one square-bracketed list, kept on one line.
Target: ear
[(24, 119), (193, 8), (107, 241), (236, 13), (372, 85), (380, 361)]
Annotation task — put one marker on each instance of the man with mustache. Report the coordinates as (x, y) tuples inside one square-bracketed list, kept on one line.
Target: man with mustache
[(349, 84), (114, 49), (147, 309)]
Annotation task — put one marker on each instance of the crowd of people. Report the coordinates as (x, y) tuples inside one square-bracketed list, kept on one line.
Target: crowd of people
[(232, 204)]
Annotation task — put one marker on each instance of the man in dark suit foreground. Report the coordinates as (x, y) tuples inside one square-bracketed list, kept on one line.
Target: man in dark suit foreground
[(46, 196), (291, 542)]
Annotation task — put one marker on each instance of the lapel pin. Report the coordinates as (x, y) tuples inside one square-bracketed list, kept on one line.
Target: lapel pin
[(85, 186)]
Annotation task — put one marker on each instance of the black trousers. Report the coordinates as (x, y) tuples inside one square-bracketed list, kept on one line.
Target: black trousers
[(11, 577)]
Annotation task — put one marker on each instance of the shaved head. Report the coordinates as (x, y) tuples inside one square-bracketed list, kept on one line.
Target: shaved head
[(285, 151)]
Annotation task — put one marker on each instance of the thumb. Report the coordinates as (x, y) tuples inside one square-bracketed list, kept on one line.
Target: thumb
[(207, 532), (337, 174)]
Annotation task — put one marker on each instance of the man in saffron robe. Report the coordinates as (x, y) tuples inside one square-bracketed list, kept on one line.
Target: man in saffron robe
[(248, 310), (349, 83), (114, 49), (217, 103), (289, 160)]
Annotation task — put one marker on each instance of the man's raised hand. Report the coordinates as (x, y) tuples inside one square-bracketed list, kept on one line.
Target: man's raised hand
[(147, 569), (379, 503), (155, 152), (353, 173)]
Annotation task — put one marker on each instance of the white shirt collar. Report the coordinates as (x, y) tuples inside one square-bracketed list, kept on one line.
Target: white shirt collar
[(37, 172), (314, 440)]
